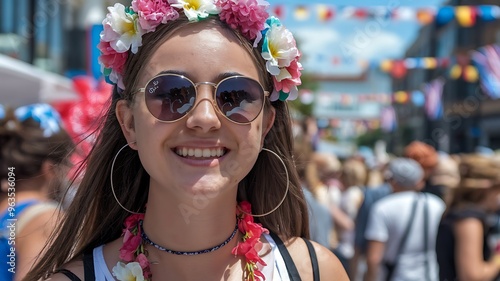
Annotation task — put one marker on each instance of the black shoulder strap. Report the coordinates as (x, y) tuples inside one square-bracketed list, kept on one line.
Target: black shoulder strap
[(314, 259), (407, 230), (68, 274), (88, 266), (290, 265)]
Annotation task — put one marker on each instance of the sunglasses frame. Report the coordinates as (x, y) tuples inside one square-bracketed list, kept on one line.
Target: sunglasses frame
[(214, 102)]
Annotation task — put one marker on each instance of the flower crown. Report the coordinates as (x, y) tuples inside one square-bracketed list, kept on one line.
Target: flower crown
[(125, 26)]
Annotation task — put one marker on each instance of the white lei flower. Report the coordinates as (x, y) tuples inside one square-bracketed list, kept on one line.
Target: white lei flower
[(131, 271)]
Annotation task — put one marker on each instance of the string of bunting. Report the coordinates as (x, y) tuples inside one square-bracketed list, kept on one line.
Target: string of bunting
[(460, 66), (487, 66), (466, 16), (486, 69)]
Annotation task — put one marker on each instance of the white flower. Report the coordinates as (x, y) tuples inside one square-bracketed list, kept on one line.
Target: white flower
[(116, 78), (131, 271), (279, 50), (196, 9), (122, 29)]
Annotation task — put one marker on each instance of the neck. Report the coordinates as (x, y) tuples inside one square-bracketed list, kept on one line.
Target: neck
[(190, 225)]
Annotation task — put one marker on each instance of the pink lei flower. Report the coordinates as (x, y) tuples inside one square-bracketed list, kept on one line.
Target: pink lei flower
[(132, 250), (134, 264), (249, 16), (251, 244), (153, 13)]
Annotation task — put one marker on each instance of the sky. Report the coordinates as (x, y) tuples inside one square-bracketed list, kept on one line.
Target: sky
[(342, 47)]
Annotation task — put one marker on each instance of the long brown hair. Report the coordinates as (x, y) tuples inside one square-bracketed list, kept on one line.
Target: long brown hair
[(94, 218), (25, 146)]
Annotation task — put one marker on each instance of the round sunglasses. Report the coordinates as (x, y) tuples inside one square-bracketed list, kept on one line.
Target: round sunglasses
[(169, 97)]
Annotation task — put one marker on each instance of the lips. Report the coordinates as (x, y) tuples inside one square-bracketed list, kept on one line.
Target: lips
[(201, 153)]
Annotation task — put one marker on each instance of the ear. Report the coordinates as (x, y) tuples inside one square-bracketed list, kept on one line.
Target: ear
[(126, 119), (267, 123), (47, 170)]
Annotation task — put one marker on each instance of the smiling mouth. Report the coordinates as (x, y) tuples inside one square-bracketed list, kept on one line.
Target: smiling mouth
[(201, 153)]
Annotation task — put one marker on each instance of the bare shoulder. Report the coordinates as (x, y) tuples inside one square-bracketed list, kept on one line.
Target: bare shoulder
[(76, 267), (329, 265)]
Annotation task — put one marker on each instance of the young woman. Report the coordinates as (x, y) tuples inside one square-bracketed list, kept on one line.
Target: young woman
[(197, 146), (462, 241), (34, 150)]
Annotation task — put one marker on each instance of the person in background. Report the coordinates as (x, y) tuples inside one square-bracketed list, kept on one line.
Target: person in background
[(192, 175), (321, 170), (34, 157), (402, 228), (353, 178), (462, 242), (445, 176), (357, 265), (427, 157), (320, 221)]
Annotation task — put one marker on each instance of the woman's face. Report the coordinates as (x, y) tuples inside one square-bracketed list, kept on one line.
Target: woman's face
[(224, 151)]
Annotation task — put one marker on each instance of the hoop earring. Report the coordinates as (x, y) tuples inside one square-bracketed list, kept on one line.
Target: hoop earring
[(111, 179), (286, 191)]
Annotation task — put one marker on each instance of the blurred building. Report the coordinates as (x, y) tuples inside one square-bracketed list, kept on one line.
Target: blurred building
[(469, 115), (349, 106), (43, 43)]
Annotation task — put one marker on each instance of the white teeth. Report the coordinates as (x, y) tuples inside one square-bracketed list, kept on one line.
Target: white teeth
[(200, 152), (206, 152)]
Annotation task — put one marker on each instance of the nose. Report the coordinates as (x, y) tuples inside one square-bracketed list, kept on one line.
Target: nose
[(204, 116)]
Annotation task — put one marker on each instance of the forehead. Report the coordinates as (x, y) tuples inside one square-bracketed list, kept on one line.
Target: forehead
[(203, 52)]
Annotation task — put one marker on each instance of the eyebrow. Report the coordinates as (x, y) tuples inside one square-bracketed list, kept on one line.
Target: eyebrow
[(218, 78)]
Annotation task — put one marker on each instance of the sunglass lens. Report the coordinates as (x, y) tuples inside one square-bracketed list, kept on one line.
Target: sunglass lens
[(240, 99), (170, 97)]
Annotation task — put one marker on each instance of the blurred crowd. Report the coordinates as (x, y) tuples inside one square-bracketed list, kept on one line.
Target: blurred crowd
[(422, 215), (35, 154)]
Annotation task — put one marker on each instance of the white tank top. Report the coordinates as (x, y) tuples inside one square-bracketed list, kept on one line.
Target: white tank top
[(277, 272)]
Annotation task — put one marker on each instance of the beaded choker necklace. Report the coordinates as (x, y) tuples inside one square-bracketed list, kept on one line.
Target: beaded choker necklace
[(134, 264), (181, 253)]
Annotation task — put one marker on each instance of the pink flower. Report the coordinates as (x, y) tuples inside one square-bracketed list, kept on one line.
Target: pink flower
[(133, 220), (253, 230), (245, 207), (249, 16), (259, 275), (288, 80), (153, 12), (110, 58), (143, 261), (130, 244), (251, 244)]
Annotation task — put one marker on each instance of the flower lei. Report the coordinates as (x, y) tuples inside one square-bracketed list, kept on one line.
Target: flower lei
[(125, 26), (134, 264)]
